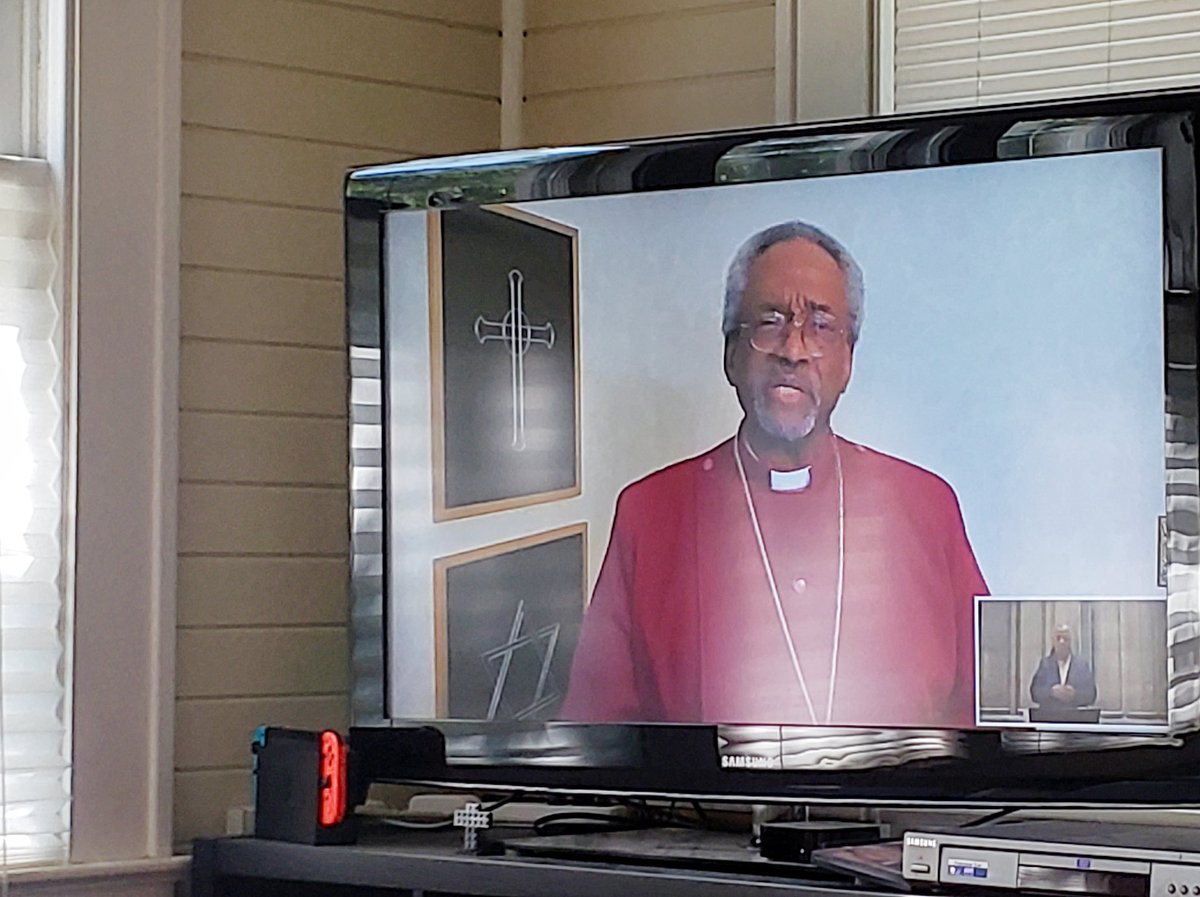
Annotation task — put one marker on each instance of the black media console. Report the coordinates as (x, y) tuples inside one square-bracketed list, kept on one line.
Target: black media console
[(419, 864)]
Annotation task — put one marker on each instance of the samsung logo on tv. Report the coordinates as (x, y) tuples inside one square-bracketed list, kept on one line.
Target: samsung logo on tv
[(918, 841), (744, 761)]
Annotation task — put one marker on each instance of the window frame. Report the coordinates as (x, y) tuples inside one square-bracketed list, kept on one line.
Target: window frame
[(30, 93), (120, 171), (116, 164), (24, 28), (884, 57), (812, 84), (12, 80)]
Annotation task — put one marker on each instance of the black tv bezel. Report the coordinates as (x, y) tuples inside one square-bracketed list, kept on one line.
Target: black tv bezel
[(673, 760)]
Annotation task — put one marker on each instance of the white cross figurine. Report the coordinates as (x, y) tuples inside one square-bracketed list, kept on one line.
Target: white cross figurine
[(518, 335), (472, 819)]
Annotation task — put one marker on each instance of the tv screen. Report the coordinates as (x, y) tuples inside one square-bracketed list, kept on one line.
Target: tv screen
[(666, 439)]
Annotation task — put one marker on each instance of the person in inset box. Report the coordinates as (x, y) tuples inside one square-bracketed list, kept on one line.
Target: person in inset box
[(1063, 679), (787, 575)]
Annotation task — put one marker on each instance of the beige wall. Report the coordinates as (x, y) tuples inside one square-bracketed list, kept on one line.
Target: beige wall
[(607, 69), (279, 98)]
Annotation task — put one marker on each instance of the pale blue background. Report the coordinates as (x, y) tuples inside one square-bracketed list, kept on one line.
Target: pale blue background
[(1012, 344)]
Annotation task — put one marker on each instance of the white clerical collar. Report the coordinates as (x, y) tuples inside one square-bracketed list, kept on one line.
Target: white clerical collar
[(786, 480), (791, 480)]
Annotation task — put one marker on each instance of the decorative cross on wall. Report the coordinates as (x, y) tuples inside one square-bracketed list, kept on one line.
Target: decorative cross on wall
[(544, 641), (518, 335)]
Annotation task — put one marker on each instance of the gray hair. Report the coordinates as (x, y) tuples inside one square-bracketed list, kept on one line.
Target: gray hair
[(757, 244)]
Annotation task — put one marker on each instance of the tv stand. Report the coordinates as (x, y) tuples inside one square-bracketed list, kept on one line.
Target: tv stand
[(667, 848), (414, 864)]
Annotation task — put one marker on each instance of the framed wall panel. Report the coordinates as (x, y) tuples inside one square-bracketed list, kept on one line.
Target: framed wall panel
[(504, 357), (507, 620)]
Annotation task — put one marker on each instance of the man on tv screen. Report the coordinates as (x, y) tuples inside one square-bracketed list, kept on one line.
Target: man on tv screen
[(1063, 681), (786, 575)]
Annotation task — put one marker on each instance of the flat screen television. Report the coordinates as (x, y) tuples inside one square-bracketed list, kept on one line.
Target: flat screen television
[(836, 462)]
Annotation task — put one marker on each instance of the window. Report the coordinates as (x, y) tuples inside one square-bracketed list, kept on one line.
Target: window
[(20, 51), (34, 664), (937, 54)]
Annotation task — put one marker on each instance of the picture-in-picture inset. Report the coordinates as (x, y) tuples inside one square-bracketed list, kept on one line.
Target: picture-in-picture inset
[(1071, 663)]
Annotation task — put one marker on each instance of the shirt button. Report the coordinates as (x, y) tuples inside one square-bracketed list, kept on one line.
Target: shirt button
[(706, 464), (799, 584)]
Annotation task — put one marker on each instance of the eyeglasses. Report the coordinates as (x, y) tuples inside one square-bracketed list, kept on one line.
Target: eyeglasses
[(769, 332)]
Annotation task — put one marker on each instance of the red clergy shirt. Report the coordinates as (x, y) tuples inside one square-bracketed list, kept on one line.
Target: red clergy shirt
[(683, 627)]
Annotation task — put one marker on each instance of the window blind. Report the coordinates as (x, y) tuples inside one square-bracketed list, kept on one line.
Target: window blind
[(953, 53), (34, 773)]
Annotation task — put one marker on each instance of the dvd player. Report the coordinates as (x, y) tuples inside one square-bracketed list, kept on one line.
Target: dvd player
[(1058, 856)]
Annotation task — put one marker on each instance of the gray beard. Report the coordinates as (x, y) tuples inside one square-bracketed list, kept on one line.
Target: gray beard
[(772, 427)]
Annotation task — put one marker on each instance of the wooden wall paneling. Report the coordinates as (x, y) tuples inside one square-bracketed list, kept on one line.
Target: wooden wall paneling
[(540, 14), (263, 662), (616, 68), (259, 450), (347, 41), (248, 591), (289, 103), (699, 44), (218, 376), (274, 170), (651, 109), (240, 520), (217, 733), (204, 797), (226, 234), (484, 14), (262, 589), (269, 308)]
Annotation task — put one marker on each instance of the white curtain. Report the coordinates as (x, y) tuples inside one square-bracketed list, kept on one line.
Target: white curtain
[(954, 53), (34, 663)]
